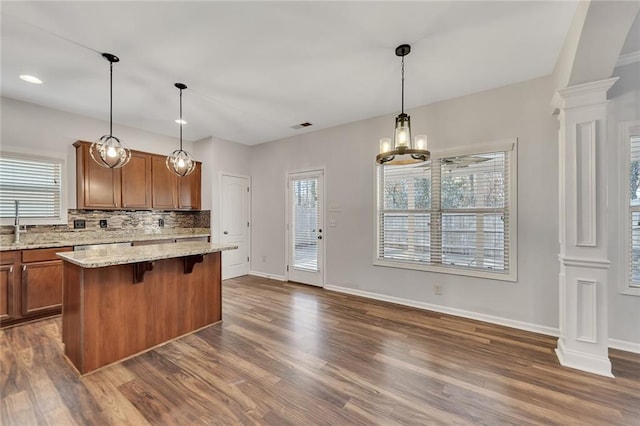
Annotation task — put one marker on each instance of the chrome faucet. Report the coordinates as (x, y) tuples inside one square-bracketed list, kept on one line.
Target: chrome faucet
[(16, 226)]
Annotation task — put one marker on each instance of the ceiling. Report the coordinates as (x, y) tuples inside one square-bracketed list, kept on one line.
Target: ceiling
[(254, 69)]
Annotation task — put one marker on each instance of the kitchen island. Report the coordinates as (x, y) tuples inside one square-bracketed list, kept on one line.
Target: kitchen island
[(118, 302)]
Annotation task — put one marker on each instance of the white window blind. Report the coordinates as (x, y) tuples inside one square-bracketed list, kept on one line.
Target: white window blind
[(35, 182), (305, 224), (450, 212), (634, 212)]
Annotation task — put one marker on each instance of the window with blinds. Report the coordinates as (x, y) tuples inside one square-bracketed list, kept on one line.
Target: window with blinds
[(634, 212), (449, 214), (36, 183)]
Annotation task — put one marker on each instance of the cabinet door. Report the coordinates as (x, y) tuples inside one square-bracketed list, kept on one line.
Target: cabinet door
[(190, 187), (98, 187), (136, 181), (41, 286), (164, 184), (6, 291)]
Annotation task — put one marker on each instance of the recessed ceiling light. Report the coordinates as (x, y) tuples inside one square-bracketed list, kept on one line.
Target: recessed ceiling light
[(30, 79), (178, 121)]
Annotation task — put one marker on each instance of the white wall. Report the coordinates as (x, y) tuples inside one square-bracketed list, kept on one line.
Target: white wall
[(624, 105), (219, 156), (347, 153), (38, 130)]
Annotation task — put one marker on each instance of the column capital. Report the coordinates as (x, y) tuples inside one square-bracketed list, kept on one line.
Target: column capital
[(582, 95)]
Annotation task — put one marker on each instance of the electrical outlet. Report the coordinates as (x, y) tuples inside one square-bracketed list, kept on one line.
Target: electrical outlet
[(437, 289), (103, 223), (79, 224), (161, 223)]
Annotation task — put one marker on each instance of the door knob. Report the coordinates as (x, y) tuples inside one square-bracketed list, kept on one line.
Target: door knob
[(225, 232)]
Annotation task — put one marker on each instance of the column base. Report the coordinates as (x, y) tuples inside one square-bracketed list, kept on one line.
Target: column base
[(583, 361)]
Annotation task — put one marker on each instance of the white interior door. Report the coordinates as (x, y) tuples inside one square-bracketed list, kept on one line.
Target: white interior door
[(305, 227), (235, 225)]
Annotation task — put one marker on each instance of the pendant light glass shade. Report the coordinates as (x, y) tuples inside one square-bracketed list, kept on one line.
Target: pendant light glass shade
[(403, 151), (180, 161), (109, 151)]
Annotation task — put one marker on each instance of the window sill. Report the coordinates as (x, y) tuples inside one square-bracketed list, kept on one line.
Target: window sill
[(512, 277), (631, 291)]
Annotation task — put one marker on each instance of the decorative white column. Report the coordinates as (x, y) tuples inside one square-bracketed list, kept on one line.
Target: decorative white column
[(583, 342)]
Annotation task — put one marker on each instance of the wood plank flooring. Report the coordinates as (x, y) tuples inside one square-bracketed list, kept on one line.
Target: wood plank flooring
[(292, 354)]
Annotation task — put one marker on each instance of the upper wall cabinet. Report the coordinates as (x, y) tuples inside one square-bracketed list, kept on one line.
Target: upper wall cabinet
[(144, 183), (171, 192)]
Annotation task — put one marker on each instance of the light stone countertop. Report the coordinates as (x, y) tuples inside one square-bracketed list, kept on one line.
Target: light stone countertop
[(99, 258), (72, 238)]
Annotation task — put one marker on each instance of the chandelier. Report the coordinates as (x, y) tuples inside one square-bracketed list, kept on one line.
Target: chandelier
[(180, 161), (109, 151), (403, 152)]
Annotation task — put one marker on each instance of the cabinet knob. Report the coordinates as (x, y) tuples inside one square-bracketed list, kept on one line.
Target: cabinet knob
[(10, 269), (226, 232)]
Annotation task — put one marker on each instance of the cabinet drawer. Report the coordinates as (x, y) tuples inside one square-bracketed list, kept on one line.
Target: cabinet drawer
[(8, 257), (41, 255)]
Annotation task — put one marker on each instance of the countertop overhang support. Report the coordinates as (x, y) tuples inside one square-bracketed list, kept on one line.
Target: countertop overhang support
[(190, 262), (139, 270)]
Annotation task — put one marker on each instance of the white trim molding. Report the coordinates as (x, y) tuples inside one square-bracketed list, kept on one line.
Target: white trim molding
[(583, 361), (507, 322), (623, 345), (628, 58), (268, 276), (586, 214), (584, 262)]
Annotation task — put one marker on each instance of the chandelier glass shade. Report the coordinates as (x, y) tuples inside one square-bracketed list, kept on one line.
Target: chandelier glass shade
[(180, 161), (403, 151), (109, 151)]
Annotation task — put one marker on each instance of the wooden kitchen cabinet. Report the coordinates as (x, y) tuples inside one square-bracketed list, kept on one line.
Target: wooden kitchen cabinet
[(171, 192), (143, 183), (8, 260), (97, 187), (101, 188), (135, 182), (189, 189), (35, 292), (165, 185)]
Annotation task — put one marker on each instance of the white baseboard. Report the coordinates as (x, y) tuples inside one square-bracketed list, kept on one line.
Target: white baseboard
[(583, 361), (623, 345), (521, 325), (535, 328), (268, 276)]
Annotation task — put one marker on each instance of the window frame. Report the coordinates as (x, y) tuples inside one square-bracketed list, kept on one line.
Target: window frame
[(62, 217), (628, 129), (509, 144)]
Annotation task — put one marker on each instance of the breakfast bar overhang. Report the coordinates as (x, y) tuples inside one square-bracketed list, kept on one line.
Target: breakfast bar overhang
[(118, 302)]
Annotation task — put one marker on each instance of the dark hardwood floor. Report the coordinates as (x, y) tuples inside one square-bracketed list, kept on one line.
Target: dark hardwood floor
[(292, 354)]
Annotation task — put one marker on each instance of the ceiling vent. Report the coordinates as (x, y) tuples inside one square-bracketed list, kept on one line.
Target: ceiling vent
[(301, 125)]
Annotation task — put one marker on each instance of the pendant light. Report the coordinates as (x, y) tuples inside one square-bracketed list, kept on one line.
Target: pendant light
[(181, 162), (403, 152), (109, 151)]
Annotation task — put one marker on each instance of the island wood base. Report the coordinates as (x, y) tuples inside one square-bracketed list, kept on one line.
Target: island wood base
[(106, 317)]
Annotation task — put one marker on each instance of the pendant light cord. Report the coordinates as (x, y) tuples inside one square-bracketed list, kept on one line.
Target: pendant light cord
[(110, 98), (402, 70), (180, 119)]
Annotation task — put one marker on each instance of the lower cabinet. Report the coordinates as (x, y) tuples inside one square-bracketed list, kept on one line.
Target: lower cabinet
[(30, 284), (7, 285)]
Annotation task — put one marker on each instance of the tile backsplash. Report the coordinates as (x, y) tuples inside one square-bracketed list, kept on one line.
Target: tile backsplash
[(135, 221)]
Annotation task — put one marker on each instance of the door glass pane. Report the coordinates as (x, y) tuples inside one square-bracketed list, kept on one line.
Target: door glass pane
[(305, 223)]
